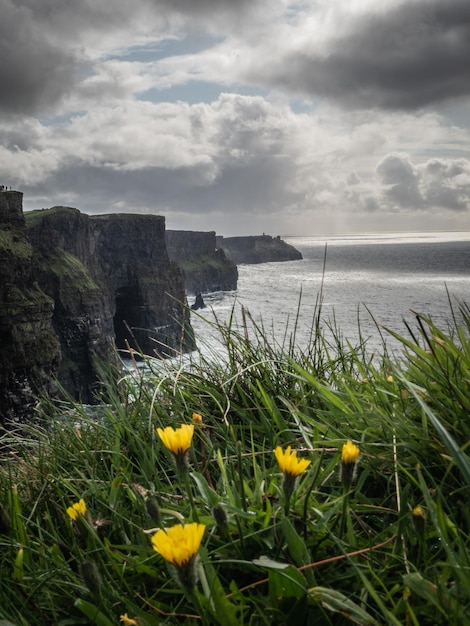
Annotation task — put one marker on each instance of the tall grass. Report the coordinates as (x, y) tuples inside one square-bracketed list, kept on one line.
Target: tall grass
[(392, 548)]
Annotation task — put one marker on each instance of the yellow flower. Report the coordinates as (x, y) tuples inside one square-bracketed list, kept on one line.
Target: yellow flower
[(128, 621), (179, 544), (418, 515), (178, 441), (349, 453), (289, 463), (77, 510), (418, 512), (197, 419)]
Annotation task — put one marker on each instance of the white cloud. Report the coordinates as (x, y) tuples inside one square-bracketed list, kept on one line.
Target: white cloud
[(103, 112)]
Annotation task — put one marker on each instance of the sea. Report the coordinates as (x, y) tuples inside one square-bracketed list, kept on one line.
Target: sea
[(367, 285)]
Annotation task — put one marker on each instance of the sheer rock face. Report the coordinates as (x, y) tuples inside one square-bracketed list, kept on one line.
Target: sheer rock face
[(29, 348), (257, 249), (113, 284), (204, 265)]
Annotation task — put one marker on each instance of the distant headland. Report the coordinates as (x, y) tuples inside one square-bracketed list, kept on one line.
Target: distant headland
[(258, 249)]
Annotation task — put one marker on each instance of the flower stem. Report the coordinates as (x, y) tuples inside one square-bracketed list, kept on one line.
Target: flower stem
[(189, 491)]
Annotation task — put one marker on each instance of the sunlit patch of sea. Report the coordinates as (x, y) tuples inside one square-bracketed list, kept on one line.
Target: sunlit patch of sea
[(362, 282)]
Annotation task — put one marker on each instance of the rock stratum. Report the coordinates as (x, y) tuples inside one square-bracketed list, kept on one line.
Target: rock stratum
[(73, 288), (257, 249)]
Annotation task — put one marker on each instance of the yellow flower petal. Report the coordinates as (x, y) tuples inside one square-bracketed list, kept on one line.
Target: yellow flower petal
[(418, 511), (349, 453), (289, 463), (177, 441), (76, 510), (179, 544), (128, 621)]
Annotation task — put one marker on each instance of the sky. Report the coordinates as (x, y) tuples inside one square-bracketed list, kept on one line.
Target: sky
[(241, 116)]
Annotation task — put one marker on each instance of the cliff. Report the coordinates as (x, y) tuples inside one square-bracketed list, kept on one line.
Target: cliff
[(205, 267), (29, 348), (113, 285), (257, 249)]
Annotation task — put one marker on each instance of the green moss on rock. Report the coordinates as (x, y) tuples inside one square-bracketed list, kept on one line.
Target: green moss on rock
[(70, 271), (12, 244)]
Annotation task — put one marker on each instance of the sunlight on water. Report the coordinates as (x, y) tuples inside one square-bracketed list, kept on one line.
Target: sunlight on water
[(371, 279)]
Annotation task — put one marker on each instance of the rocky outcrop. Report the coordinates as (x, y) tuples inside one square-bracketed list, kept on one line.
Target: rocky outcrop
[(257, 249), (29, 348), (113, 284), (205, 266)]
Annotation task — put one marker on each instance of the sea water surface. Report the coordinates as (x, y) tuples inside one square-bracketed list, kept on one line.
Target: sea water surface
[(363, 282)]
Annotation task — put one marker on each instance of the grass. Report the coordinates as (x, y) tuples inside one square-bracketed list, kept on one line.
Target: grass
[(390, 547), (15, 245)]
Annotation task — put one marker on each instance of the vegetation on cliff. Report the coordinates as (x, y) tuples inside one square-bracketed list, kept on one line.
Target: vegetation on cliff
[(267, 484), (13, 245)]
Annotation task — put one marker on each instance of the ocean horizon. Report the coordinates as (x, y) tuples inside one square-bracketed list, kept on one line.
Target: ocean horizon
[(365, 283)]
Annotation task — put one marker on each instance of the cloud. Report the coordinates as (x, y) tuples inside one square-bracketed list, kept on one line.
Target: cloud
[(405, 56), (433, 185), (400, 180), (47, 47), (395, 55), (239, 162), (34, 72), (236, 154), (446, 184)]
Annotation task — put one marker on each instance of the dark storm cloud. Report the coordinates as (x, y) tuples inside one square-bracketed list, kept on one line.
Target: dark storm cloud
[(34, 72), (407, 57), (43, 43)]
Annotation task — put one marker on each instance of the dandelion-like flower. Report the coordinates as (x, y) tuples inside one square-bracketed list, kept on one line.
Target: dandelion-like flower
[(177, 440), (349, 457), (179, 546), (350, 452), (77, 510), (289, 463), (291, 467), (197, 419)]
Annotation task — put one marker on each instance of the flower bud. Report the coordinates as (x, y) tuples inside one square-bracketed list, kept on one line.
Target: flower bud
[(91, 576)]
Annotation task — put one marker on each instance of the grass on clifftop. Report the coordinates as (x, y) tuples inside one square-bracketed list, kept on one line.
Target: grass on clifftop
[(360, 516)]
